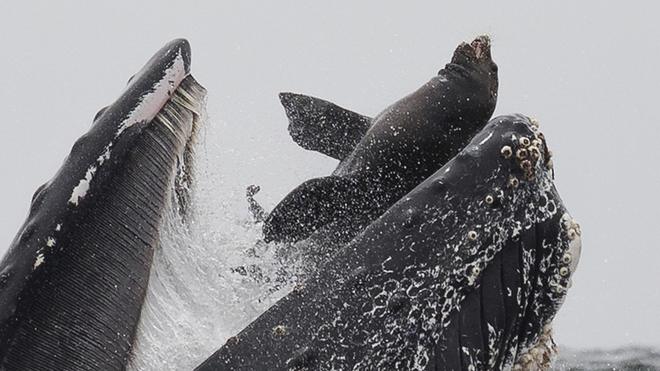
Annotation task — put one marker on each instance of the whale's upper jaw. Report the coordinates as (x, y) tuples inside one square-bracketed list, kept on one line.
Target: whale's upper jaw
[(95, 224), (139, 107), (150, 88)]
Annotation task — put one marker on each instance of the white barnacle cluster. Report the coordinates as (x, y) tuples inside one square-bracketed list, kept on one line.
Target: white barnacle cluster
[(569, 259), (527, 152), (540, 355), (280, 331), (571, 256), (41, 257)]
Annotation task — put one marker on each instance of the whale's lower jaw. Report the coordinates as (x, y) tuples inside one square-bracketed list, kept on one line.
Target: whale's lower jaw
[(467, 270), (75, 278)]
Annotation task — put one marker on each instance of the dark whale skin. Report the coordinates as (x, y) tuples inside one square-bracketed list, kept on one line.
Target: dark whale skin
[(464, 272), (402, 146), (73, 281)]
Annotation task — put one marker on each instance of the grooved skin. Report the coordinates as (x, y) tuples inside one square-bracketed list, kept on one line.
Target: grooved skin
[(83, 304), (488, 304), (528, 239), (471, 338), (497, 308), (448, 355), (511, 281), (493, 310)]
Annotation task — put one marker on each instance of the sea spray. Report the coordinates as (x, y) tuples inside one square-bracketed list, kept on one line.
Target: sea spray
[(211, 275)]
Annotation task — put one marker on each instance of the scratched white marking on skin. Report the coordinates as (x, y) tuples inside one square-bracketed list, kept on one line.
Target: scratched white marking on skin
[(486, 139), (40, 259), (105, 156), (80, 191)]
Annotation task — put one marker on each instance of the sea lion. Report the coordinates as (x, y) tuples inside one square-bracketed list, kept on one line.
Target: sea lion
[(382, 158)]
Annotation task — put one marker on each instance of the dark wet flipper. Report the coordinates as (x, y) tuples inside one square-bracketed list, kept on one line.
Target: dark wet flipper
[(309, 207), (318, 125)]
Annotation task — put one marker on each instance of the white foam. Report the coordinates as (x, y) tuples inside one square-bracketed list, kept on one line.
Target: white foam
[(195, 302)]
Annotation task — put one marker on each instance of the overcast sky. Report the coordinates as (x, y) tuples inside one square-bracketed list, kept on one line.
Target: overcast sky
[(587, 71)]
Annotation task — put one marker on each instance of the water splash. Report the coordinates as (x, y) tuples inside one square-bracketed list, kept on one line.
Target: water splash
[(621, 359), (211, 275)]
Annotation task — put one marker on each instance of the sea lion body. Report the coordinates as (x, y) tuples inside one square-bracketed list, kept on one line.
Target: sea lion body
[(383, 158)]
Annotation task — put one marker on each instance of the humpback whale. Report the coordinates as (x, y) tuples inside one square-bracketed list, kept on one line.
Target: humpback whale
[(464, 272), (381, 158), (74, 278)]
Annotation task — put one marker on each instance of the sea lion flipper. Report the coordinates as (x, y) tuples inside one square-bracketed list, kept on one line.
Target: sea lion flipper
[(256, 210), (318, 125), (308, 207)]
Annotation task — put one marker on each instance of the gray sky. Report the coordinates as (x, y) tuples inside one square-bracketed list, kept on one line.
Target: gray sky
[(586, 70)]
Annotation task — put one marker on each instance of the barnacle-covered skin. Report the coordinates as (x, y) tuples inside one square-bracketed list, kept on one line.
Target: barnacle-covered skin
[(73, 281), (465, 272)]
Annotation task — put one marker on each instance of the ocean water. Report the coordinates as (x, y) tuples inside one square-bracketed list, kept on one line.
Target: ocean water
[(628, 358)]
